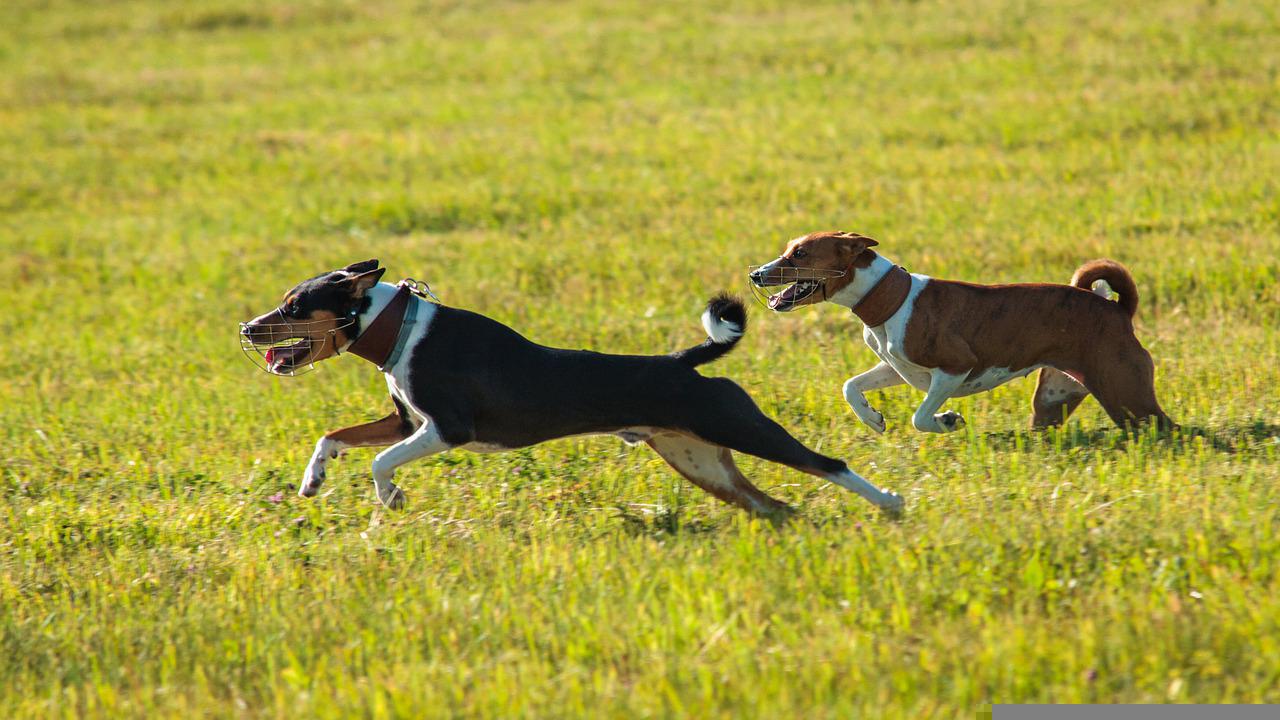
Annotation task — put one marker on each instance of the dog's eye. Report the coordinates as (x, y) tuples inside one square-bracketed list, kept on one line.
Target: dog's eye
[(798, 254)]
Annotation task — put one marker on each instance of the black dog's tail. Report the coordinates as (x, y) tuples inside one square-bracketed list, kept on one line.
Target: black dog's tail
[(726, 322)]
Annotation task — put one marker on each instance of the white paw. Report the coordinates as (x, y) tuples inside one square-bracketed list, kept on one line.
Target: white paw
[(949, 421), (872, 419), (891, 503), (393, 498), (869, 416), (312, 478)]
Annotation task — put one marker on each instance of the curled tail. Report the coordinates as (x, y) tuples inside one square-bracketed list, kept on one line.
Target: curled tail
[(1115, 275), (726, 322)]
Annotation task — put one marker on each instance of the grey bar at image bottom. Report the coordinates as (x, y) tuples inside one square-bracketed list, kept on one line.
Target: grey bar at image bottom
[(1134, 712)]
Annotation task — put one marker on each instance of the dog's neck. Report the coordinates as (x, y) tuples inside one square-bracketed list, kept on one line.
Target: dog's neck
[(864, 279), (379, 296)]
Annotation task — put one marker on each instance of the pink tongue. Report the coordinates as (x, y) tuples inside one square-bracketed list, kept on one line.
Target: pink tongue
[(270, 356)]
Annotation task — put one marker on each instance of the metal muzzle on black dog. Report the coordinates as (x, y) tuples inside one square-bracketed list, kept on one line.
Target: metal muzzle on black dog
[(275, 347)]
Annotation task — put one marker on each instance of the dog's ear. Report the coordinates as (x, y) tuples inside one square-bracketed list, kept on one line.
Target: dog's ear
[(361, 267), (359, 284), (852, 244)]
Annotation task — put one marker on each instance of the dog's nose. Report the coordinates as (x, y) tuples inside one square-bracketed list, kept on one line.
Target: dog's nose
[(756, 275)]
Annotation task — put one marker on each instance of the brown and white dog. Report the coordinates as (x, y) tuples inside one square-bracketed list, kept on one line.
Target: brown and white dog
[(952, 339), (461, 380)]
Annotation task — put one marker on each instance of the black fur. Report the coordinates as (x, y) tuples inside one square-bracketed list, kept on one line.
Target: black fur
[(727, 309)]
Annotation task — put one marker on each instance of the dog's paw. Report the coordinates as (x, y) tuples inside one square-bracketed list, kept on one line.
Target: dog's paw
[(312, 479), (873, 419), (892, 504), (949, 421), (393, 498), (867, 414)]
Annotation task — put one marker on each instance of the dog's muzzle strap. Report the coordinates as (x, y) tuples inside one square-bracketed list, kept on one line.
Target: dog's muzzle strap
[(877, 306), (383, 341)]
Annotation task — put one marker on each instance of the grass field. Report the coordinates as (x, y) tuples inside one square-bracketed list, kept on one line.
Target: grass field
[(589, 172)]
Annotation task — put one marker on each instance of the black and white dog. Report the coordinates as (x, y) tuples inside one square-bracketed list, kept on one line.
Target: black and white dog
[(462, 380)]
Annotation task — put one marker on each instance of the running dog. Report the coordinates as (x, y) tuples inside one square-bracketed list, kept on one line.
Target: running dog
[(952, 339), (461, 380)]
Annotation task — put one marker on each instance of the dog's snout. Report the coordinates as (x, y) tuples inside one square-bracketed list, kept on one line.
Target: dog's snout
[(764, 275), (259, 329)]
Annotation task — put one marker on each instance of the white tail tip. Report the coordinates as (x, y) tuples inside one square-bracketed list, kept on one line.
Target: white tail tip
[(720, 331)]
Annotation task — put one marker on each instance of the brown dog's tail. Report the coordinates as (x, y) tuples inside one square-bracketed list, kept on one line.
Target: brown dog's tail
[(1115, 275)]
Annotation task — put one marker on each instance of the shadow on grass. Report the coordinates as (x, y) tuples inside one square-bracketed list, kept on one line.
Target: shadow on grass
[(653, 521), (1231, 439)]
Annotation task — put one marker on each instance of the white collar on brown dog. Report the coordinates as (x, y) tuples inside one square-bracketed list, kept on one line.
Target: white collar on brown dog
[(864, 280)]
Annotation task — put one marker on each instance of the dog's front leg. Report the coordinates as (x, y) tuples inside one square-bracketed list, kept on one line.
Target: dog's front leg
[(424, 441), (941, 386), (877, 378), (390, 429)]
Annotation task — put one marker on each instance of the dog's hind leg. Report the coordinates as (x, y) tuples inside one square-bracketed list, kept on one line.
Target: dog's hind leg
[(390, 429), (424, 441), (712, 468), (1124, 384), (942, 385), (1057, 396), (729, 418), (877, 378)]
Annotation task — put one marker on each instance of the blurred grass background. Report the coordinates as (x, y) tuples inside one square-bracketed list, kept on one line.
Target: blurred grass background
[(589, 172)]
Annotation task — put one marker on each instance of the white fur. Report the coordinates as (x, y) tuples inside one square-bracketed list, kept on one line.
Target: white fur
[(879, 377), (888, 342), (864, 279), (397, 378), (379, 297), (991, 378), (720, 331), (883, 499), (424, 441), (942, 385), (313, 476)]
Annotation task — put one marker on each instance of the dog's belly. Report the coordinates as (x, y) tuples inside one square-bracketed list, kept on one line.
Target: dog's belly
[(631, 436), (918, 377), (991, 378)]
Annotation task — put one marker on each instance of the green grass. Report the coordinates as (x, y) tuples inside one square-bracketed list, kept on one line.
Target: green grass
[(589, 172)]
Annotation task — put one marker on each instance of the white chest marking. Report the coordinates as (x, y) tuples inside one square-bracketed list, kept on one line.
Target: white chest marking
[(887, 340), (397, 376)]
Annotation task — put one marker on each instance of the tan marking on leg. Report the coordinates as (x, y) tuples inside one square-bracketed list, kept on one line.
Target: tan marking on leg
[(1057, 396), (388, 430), (711, 468)]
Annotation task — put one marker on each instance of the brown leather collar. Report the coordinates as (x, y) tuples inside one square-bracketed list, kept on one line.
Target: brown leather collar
[(378, 340), (877, 306)]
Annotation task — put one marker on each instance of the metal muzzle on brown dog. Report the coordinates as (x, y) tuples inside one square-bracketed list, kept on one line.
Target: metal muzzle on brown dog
[(798, 283)]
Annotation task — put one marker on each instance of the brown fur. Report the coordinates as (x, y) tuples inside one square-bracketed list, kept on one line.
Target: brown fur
[(711, 468), (390, 429), (959, 327), (1116, 275), (832, 251), (963, 327)]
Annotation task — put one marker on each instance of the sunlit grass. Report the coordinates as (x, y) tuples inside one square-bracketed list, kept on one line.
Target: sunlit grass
[(589, 173)]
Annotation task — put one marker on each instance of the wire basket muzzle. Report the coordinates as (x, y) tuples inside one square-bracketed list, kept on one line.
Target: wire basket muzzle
[(780, 277)]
